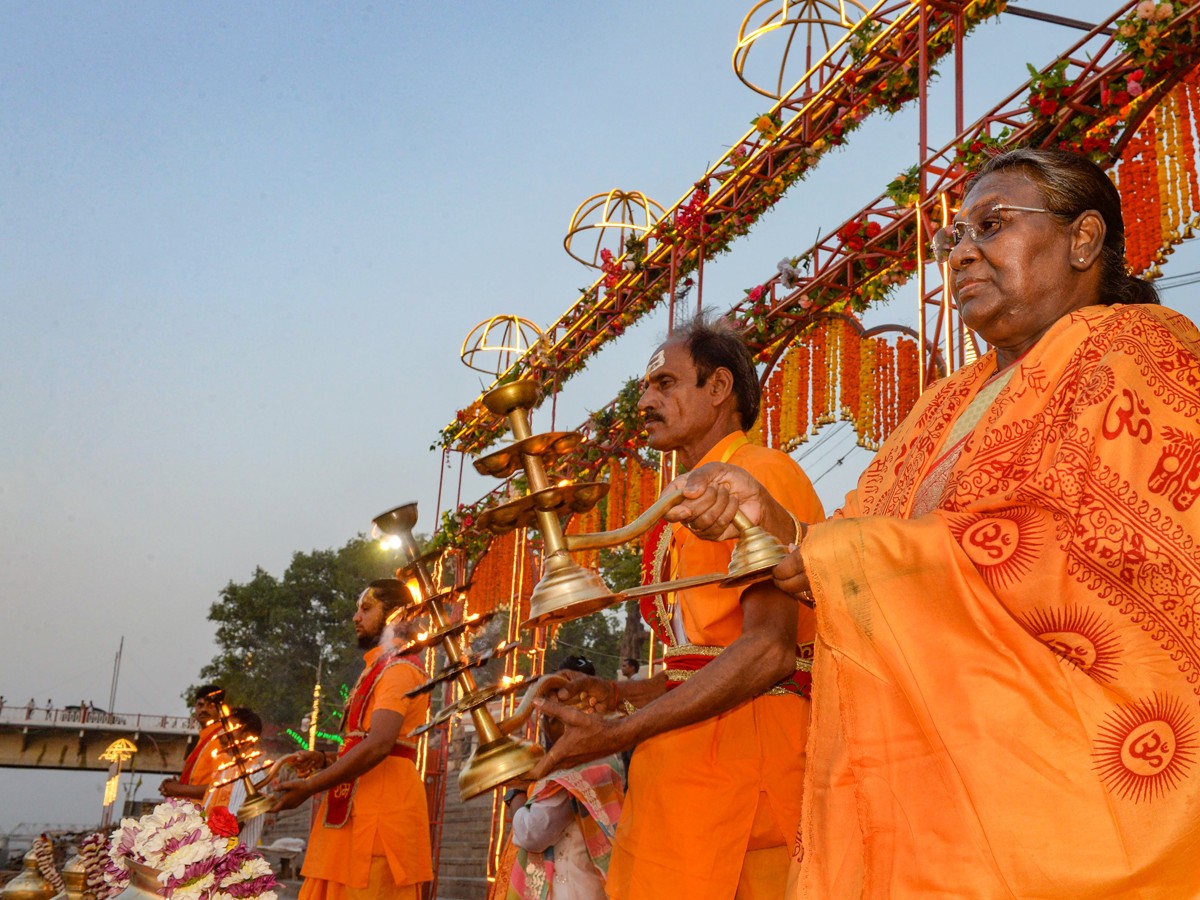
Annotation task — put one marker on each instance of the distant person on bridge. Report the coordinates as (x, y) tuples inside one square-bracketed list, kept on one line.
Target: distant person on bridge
[(201, 764), (370, 838)]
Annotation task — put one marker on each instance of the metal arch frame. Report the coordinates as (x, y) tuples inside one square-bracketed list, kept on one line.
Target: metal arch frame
[(832, 262), (737, 186)]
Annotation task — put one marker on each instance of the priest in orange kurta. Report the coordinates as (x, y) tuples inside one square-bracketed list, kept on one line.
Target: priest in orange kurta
[(370, 838), (200, 767), (717, 772)]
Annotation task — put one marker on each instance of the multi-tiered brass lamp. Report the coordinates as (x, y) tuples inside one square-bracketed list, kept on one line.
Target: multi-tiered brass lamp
[(567, 590), (245, 761), (498, 758)]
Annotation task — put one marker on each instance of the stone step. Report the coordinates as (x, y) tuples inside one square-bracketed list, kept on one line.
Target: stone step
[(462, 888)]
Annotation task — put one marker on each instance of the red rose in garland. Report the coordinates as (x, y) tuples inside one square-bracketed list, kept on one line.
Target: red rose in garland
[(222, 822)]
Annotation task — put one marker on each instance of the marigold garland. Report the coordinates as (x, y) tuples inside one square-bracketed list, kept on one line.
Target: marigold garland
[(886, 358), (908, 367), (850, 368), (867, 394), (773, 407), (876, 382), (494, 579), (755, 434), (650, 486), (1163, 142), (616, 496), (790, 389), (793, 429), (633, 493), (586, 523), (820, 374), (1190, 116)]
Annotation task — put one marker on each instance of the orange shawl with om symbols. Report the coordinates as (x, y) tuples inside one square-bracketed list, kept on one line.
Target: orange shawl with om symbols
[(1007, 687)]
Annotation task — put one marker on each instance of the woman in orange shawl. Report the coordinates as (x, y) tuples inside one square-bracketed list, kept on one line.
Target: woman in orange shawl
[(1006, 684)]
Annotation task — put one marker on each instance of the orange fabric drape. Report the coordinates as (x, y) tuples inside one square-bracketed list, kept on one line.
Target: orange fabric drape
[(1008, 687)]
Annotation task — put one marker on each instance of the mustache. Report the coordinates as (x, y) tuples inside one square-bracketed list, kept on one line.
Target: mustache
[(652, 417)]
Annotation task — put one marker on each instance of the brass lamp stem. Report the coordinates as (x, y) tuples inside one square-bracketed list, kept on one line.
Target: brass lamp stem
[(548, 523), (485, 725), (639, 526)]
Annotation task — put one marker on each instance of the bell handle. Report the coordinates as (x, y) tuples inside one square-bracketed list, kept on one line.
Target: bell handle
[(669, 498), (639, 526), (266, 780), (524, 709)]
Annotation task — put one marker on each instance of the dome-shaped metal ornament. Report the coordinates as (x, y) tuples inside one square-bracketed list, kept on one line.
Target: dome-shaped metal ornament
[(799, 35), (505, 338), (605, 221)]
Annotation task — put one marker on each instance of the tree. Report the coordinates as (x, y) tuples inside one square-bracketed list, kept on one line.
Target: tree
[(271, 632)]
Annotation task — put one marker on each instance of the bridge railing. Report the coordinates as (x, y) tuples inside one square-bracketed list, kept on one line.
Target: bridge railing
[(76, 716)]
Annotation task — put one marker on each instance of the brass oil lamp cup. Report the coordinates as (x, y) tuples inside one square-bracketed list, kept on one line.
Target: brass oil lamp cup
[(567, 590), (498, 758)]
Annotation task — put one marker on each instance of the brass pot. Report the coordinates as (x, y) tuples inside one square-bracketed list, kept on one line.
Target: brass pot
[(143, 883)]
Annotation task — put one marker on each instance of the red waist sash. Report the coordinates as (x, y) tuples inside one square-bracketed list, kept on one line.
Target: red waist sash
[(683, 662), (337, 809)]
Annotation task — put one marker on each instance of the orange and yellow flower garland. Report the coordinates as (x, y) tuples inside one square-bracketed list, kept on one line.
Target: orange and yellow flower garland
[(586, 523), (869, 382), (495, 580), (851, 365), (908, 368), (867, 395)]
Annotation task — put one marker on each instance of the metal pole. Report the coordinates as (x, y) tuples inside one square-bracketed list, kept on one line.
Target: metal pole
[(112, 693), (316, 706)]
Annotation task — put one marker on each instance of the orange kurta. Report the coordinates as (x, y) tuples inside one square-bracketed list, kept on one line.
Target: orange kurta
[(389, 816), (700, 797), (1008, 684), (204, 766)]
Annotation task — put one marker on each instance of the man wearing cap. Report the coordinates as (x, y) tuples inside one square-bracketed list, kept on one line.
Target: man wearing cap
[(200, 767), (716, 779), (370, 838)]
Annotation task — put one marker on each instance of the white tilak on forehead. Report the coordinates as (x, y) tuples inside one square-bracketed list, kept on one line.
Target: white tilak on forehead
[(657, 361)]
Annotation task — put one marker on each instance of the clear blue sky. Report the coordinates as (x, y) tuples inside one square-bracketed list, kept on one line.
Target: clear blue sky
[(241, 244)]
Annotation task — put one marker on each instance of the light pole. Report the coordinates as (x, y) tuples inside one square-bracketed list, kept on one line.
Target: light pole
[(316, 706)]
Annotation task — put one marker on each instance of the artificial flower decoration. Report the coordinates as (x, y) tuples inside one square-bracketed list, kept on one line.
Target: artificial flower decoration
[(195, 859)]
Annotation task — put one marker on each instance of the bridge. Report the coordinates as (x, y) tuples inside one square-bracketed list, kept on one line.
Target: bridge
[(74, 738)]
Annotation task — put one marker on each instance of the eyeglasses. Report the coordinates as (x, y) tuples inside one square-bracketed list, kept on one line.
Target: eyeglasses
[(946, 239)]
